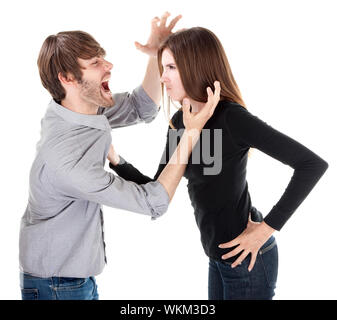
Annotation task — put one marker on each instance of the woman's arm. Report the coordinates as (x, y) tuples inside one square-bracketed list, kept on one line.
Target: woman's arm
[(172, 172), (127, 171), (249, 131)]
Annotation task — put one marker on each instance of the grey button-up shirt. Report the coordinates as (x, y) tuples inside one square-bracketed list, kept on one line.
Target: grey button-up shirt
[(62, 228)]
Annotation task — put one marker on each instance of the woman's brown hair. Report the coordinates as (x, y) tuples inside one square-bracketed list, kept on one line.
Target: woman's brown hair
[(59, 54), (201, 60)]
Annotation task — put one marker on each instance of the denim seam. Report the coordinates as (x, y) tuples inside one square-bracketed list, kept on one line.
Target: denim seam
[(94, 291), (266, 273)]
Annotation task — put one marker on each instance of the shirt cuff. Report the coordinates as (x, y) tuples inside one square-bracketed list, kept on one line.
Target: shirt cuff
[(277, 218), (157, 198)]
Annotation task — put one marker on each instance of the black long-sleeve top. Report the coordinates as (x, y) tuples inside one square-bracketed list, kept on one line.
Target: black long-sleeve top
[(221, 201)]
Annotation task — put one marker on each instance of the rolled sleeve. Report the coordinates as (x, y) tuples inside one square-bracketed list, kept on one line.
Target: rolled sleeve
[(157, 198), (146, 107), (130, 109)]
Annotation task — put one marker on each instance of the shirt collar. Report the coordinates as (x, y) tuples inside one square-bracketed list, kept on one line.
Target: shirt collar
[(90, 120)]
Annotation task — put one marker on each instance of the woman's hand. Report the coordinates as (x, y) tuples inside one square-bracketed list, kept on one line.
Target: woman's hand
[(198, 120), (158, 34), (113, 156), (249, 241)]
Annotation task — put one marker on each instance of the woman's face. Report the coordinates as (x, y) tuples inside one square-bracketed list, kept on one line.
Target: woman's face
[(171, 77)]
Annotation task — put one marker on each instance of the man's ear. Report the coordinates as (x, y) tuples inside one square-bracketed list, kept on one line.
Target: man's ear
[(67, 80)]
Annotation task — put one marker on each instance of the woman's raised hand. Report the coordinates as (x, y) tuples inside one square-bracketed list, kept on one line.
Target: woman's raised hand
[(198, 120)]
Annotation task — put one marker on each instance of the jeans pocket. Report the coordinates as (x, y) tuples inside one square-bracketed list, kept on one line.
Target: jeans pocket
[(71, 283), (76, 289), (30, 294), (269, 261)]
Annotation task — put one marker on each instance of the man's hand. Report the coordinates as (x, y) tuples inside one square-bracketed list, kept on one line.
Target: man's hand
[(198, 120), (158, 34), (249, 241)]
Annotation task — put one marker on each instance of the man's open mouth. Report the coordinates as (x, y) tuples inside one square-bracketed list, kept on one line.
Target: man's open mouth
[(105, 86)]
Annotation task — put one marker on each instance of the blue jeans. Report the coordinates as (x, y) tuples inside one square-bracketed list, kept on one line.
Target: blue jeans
[(225, 283), (57, 288)]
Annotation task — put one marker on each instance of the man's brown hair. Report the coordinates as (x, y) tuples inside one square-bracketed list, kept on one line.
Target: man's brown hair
[(59, 54)]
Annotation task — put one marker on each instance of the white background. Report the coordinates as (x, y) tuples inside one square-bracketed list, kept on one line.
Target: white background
[(283, 56)]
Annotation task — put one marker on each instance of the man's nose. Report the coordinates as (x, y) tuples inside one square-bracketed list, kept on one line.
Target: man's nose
[(108, 65)]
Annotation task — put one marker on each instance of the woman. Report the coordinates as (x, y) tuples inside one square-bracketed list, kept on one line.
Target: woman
[(235, 236)]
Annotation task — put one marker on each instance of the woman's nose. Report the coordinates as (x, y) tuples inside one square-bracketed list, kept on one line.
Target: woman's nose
[(163, 78)]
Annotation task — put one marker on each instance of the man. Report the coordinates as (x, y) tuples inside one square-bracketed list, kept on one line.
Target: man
[(61, 237)]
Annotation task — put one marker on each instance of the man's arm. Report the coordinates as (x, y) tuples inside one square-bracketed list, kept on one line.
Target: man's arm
[(89, 181), (94, 184), (128, 172), (159, 33), (130, 108), (173, 167), (170, 175), (142, 103), (151, 82), (174, 170)]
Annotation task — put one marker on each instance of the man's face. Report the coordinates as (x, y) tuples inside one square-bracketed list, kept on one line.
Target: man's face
[(94, 87)]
